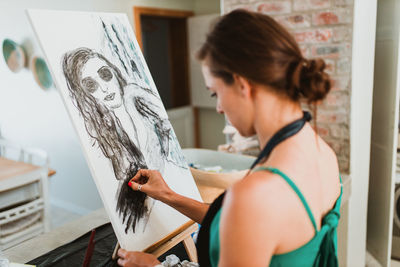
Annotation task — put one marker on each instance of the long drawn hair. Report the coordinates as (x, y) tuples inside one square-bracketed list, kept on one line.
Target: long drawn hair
[(105, 128)]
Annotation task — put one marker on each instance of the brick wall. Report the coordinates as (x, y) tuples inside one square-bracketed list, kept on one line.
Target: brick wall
[(323, 28)]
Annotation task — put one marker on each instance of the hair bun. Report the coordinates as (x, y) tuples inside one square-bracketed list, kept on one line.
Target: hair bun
[(310, 80)]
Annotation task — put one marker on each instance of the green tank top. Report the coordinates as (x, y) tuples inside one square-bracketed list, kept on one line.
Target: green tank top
[(321, 250)]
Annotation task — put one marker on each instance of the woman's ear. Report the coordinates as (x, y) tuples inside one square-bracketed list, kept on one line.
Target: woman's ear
[(244, 85)]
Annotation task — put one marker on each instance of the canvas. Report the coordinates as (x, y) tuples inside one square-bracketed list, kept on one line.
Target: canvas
[(108, 91)]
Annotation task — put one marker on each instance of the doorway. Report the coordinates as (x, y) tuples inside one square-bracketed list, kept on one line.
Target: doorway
[(162, 35)]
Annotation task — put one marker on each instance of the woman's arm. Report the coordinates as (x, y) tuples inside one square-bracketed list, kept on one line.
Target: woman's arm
[(152, 183), (193, 209), (249, 224)]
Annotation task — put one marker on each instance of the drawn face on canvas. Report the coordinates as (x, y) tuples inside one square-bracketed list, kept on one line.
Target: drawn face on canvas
[(100, 81)]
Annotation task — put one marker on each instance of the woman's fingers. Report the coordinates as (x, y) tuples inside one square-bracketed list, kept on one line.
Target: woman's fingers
[(137, 175), (122, 253), (135, 182), (121, 262), (135, 258), (140, 173), (138, 187)]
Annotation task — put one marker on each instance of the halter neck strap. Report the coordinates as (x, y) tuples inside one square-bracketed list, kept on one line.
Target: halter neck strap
[(283, 134)]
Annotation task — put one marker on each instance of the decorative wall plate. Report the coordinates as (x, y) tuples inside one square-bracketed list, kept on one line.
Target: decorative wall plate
[(14, 55), (41, 72)]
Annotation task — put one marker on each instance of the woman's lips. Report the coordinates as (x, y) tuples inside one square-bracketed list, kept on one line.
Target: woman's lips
[(109, 97)]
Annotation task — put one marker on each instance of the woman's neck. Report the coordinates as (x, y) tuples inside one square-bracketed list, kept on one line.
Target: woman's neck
[(121, 113), (273, 113)]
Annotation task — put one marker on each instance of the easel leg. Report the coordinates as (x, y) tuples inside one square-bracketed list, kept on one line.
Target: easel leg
[(114, 255), (190, 248)]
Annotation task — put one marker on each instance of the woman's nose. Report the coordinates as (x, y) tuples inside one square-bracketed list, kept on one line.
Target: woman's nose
[(104, 88)]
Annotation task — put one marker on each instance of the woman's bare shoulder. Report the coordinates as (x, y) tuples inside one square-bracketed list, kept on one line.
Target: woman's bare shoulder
[(251, 217), (256, 194)]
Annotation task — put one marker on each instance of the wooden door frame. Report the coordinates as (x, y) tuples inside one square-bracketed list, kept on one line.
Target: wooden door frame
[(165, 13), (155, 12)]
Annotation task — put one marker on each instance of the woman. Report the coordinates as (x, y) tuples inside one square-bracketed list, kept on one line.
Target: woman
[(124, 120), (285, 211)]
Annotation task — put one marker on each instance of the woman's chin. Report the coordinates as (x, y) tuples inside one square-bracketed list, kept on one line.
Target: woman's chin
[(114, 105)]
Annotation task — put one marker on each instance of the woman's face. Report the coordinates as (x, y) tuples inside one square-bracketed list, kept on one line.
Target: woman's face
[(230, 101), (98, 79)]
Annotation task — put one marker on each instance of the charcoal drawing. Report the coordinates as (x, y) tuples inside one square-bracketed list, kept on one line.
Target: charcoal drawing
[(117, 113), (97, 88)]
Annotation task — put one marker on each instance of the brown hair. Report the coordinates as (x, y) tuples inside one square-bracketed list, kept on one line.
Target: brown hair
[(258, 48)]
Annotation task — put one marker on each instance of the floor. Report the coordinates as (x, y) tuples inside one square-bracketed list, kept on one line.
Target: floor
[(371, 262), (61, 216)]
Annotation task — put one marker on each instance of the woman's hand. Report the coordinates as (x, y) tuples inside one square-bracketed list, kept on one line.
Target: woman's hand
[(151, 183), (136, 259)]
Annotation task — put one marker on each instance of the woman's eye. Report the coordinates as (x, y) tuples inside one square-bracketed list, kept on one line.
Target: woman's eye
[(105, 73), (214, 95), (89, 84)]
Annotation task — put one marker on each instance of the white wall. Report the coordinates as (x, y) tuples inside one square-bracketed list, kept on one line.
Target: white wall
[(202, 7), (360, 127), (33, 117), (211, 123)]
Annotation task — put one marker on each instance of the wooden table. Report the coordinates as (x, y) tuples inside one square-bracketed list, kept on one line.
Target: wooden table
[(11, 169), (23, 193)]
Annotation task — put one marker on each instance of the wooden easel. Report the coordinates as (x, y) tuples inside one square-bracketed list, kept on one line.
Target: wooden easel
[(182, 234)]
